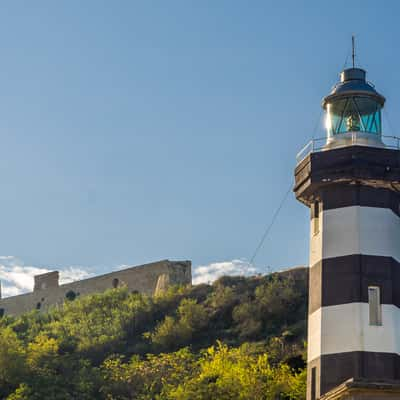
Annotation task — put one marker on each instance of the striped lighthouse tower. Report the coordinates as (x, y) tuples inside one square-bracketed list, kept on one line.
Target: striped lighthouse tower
[(351, 183)]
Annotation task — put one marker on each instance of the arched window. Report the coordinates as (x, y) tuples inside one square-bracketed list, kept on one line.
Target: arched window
[(70, 295)]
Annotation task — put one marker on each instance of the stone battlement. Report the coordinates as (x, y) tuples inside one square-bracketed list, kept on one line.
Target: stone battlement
[(149, 279)]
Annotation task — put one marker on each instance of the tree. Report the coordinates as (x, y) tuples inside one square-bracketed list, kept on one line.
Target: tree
[(12, 361), (234, 373), (178, 331)]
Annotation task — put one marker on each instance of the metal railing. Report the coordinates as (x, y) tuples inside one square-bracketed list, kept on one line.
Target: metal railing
[(320, 144)]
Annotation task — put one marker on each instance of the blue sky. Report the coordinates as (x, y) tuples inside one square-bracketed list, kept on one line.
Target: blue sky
[(137, 131)]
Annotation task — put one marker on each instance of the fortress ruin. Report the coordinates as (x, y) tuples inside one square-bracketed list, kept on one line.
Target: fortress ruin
[(149, 279)]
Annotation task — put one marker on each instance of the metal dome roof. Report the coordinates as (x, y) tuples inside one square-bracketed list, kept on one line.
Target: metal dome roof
[(353, 82)]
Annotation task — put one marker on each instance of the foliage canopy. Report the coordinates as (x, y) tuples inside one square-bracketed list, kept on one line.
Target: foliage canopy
[(240, 338)]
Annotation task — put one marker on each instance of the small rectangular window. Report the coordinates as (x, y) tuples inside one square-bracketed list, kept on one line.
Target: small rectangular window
[(316, 218), (375, 308), (313, 383)]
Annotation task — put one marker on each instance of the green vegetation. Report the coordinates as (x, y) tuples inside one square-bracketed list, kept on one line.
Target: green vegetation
[(240, 338)]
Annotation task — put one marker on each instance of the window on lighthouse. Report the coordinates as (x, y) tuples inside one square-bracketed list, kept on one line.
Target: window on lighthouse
[(313, 383), (316, 218), (375, 308)]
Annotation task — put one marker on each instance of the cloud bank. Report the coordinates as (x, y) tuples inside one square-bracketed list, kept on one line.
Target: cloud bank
[(17, 278), (209, 273)]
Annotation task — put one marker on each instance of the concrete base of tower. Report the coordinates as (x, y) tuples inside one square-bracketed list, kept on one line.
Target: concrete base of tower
[(358, 389)]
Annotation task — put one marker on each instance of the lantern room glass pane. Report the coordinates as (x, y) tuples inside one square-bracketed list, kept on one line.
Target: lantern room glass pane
[(354, 114)]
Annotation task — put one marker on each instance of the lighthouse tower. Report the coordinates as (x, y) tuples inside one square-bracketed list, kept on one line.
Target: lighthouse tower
[(351, 183)]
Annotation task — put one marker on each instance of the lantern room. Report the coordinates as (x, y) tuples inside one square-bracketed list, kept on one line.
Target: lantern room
[(353, 111)]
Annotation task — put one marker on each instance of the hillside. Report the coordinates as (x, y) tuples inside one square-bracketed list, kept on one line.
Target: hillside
[(240, 338)]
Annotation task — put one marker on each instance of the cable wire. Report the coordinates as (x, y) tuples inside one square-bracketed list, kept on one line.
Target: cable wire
[(274, 217), (346, 60), (388, 121), (317, 123)]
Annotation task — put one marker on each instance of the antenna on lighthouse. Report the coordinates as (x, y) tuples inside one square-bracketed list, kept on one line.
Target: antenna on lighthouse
[(353, 52)]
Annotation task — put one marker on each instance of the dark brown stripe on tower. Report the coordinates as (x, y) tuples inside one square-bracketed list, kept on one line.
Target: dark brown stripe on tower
[(350, 165), (357, 195), (343, 280), (337, 368)]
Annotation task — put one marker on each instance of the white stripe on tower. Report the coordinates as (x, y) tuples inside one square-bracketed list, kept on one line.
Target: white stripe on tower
[(356, 230), (345, 328)]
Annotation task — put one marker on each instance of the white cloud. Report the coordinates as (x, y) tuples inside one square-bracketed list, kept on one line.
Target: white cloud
[(17, 278), (7, 291), (73, 274), (211, 272), (122, 266)]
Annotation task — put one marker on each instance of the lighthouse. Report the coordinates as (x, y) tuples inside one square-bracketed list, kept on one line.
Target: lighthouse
[(350, 181)]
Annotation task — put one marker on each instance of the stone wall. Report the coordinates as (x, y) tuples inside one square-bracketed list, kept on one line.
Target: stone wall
[(148, 279)]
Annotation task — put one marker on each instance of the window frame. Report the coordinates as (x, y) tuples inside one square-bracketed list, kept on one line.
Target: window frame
[(313, 388), (316, 217), (374, 305)]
